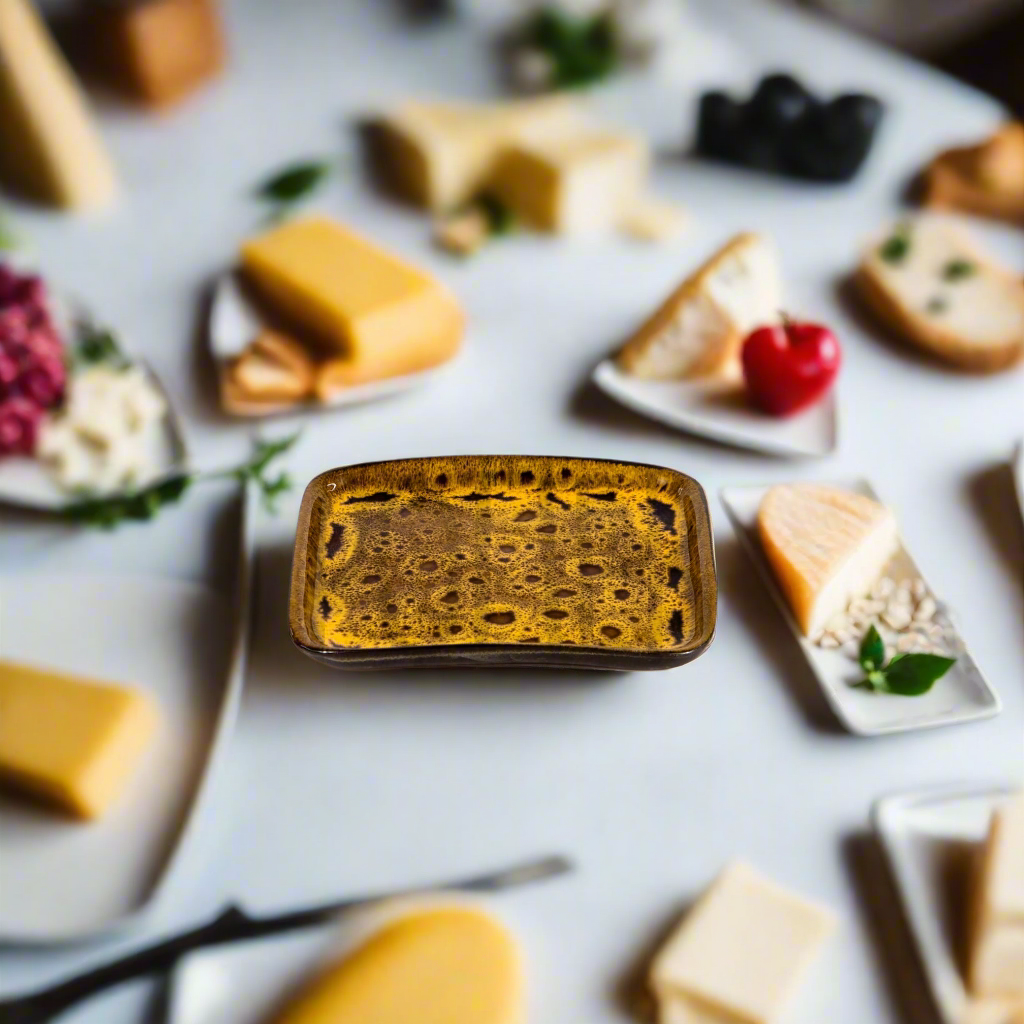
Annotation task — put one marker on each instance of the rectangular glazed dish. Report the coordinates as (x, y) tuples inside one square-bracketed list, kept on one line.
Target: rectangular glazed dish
[(503, 560)]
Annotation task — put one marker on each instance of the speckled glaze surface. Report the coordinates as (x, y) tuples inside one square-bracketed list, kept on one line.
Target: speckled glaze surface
[(503, 560)]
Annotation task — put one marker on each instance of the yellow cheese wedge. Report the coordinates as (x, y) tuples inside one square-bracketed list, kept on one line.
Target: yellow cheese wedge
[(997, 945), (450, 965), (50, 149), (378, 316), (739, 954), (826, 547), (574, 183), (72, 742), (439, 155)]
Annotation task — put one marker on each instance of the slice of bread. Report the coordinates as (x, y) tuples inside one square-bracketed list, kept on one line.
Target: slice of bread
[(986, 179), (826, 547), (928, 282), (273, 373), (699, 329)]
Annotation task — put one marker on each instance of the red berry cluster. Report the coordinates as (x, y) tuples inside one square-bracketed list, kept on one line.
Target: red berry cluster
[(32, 370)]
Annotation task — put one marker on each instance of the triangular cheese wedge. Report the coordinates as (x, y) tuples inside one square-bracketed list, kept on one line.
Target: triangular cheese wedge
[(826, 547), (700, 328), (50, 148)]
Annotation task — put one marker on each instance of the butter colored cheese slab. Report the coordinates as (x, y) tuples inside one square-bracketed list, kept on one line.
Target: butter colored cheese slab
[(573, 183), (50, 149), (826, 547), (72, 742), (972, 318), (739, 954), (699, 329), (439, 155), (376, 315), (438, 966), (997, 947)]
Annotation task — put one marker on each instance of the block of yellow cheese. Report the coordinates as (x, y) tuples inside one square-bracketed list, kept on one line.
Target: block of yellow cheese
[(448, 965), (75, 743), (997, 941), (739, 954), (375, 315), (826, 546), (50, 149), (572, 183), (439, 155)]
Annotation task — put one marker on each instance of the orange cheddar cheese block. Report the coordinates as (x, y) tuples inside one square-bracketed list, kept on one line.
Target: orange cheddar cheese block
[(826, 546)]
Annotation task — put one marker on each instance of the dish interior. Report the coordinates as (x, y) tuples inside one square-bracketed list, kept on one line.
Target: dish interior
[(507, 550)]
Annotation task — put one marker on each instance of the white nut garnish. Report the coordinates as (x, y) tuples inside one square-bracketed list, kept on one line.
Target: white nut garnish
[(925, 611), (897, 618), (882, 589), (920, 589)]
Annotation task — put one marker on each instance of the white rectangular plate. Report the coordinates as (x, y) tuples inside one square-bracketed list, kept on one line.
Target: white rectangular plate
[(717, 408), (64, 880), (961, 695), (235, 321), (929, 838)]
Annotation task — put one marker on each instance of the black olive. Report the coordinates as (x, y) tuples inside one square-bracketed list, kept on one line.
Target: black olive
[(855, 111), (779, 101), (719, 126), (822, 150)]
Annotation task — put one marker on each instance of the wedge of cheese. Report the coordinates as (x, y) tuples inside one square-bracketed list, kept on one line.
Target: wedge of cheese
[(573, 183), (439, 155), (71, 742), (50, 149), (931, 285), (434, 966), (700, 328), (740, 954), (374, 314), (826, 547), (997, 943)]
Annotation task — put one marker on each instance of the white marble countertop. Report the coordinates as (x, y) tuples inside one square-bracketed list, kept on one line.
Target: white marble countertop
[(337, 784)]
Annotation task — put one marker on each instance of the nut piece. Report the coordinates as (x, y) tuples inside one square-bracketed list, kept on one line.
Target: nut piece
[(462, 233)]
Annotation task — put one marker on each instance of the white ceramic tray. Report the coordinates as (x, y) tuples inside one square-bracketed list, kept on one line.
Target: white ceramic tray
[(235, 321), (929, 837), (961, 695), (64, 880), (717, 409)]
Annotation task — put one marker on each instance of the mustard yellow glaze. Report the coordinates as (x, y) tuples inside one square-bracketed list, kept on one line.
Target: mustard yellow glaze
[(502, 550)]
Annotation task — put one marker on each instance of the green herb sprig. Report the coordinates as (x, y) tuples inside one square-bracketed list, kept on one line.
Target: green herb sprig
[(906, 675), (288, 187), (582, 50), (896, 247), (108, 512), (957, 270), (99, 346)]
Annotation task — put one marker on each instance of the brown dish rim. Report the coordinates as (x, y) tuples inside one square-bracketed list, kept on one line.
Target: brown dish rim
[(499, 655)]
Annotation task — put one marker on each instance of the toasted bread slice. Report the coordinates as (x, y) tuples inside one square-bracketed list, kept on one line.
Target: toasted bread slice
[(986, 179), (699, 329), (274, 372), (928, 282)]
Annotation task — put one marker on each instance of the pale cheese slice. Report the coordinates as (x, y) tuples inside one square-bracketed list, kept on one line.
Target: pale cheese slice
[(826, 546), (739, 954), (993, 1011), (997, 947), (700, 328), (50, 149), (434, 966)]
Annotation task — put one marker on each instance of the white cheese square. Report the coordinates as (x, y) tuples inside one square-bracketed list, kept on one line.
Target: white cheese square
[(740, 953)]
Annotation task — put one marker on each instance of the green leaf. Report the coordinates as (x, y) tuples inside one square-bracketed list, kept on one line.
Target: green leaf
[(895, 248), (582, 50), (872, 651), (915, 674), (501, 220), (294, 183), (108, 512), (255, 469), (99, 345), (957, 270)]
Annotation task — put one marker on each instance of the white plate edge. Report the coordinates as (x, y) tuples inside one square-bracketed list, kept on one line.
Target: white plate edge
[(764, 570)]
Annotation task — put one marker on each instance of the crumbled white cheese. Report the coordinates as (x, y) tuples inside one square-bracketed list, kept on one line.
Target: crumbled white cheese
[(101, 439)]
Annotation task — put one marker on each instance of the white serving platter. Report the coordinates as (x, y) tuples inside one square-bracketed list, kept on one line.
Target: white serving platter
[(235, 321), (63, 880), (961, 695), (930, 837), (717, 409)]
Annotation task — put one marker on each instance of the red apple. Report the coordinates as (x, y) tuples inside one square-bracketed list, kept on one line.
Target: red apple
[(789, 366)]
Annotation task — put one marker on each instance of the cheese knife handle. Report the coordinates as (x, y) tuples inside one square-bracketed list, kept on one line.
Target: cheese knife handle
[(47, 1004)]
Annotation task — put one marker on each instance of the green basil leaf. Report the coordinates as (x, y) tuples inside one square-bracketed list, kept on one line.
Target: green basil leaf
[(915, 674), (294, 183), (872, 651)]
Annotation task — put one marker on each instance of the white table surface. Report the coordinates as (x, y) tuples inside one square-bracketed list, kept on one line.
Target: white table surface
[(337, 784)]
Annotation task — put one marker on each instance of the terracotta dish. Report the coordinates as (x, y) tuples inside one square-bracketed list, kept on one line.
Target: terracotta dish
[(503, 560)]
